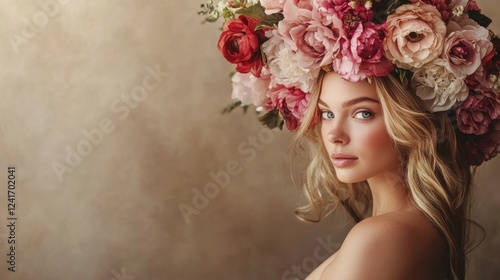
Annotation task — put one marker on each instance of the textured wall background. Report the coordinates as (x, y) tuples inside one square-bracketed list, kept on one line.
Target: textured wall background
[(110, 113)]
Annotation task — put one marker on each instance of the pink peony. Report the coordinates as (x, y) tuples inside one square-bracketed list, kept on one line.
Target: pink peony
[(313, 43), (291, 102), (476, 113), (272, 6), (249, 89), (362, 55), (239, 43), (415, 35), (465, 46), (351, 13)]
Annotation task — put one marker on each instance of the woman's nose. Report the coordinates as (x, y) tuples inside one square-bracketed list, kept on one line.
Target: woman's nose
[(337, 133)]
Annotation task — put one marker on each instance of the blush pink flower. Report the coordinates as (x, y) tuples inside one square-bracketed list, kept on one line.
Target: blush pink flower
[(465, 46), (476, 113), (239, 43), (362, 55), (415, 35), (313, 43), (251, 90), (272, 6)]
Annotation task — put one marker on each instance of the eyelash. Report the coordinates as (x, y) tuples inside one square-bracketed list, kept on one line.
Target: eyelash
[(323, 112)]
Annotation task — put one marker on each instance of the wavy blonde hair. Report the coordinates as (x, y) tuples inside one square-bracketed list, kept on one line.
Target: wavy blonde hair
[(435, 170)]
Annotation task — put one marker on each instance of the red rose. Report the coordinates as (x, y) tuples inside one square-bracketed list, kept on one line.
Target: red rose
[(240, 43)]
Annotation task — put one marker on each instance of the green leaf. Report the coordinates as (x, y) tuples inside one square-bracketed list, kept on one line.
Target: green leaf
[(481, 19), (257, 12), (229, 108), (272, 119)]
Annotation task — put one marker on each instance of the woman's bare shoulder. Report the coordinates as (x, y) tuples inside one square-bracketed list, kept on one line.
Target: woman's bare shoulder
[(398, 245)]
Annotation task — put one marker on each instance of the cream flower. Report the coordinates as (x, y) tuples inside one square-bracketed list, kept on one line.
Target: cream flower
[(438, 88), (284, 67), (415, 35)]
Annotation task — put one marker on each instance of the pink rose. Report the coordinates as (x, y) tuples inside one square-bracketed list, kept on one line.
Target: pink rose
[(465, 46), (240, 43), (362, 55), (313, 43), (249, 89), (415, 35), (476, 113), (272, 6)]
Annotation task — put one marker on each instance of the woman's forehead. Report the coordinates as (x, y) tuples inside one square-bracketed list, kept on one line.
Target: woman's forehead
[(336, 89)]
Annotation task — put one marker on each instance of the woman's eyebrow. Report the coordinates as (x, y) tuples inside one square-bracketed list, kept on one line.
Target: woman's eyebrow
[(352, 101), (321, 102), (358, 100)]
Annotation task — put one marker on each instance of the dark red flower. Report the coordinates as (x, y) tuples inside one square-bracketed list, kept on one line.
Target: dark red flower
[(445, 7), (472, 5), (476, 113), (490, 73), (240, 43), (480, 148)]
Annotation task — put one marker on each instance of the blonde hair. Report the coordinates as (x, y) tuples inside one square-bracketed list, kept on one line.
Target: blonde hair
[(435, 170)]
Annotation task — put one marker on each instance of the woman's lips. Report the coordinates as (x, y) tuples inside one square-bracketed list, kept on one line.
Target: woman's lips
[(343, 160)]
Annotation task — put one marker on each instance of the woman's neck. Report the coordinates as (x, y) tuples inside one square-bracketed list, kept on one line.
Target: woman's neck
[(389, 193)]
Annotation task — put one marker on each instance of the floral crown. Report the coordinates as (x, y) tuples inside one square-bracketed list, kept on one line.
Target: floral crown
[(440, 48)]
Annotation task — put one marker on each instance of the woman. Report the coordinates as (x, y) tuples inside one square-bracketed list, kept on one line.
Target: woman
[(395, 101), (375, 146)]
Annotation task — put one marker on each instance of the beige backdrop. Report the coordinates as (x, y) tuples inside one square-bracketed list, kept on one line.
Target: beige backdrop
[(110, 115)]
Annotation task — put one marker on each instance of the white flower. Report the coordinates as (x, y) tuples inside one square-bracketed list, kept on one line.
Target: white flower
[(284, 67), (249, 89), (439, 88), (458, 11)]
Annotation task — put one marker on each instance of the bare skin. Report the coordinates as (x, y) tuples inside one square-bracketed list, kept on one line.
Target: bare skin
[(398, 241)]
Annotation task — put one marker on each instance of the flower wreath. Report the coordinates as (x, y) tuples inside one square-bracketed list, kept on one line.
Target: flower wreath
[(441, 48)]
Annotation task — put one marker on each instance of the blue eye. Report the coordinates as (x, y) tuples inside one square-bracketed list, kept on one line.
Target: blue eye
[(363, 115), (327, 115)]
